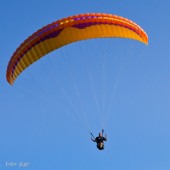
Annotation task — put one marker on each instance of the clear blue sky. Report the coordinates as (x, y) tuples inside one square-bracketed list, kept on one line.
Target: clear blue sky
[(121, 80)]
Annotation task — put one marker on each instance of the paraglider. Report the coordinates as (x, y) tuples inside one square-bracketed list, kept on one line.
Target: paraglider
[(69, 30), (99, 140)]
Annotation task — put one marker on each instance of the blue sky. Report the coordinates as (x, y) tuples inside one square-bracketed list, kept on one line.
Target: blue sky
[(118, 84)]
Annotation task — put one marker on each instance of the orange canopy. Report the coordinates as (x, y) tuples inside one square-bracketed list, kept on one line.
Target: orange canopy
[(68, 30)]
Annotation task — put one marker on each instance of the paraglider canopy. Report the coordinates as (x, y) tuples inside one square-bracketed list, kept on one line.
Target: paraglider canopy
[(69, 30)]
